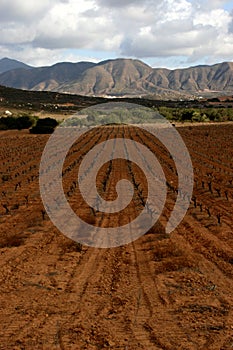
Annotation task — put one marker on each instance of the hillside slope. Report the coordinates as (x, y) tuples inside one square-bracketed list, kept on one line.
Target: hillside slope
[(7, 64)]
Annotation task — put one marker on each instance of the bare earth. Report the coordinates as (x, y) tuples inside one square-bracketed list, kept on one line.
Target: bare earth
[(159, 292)]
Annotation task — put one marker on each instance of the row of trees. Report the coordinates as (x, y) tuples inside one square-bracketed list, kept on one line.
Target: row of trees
[(20, 122), (197, 114), (36, 125), (89, 117), (141, 115), (47, 125)]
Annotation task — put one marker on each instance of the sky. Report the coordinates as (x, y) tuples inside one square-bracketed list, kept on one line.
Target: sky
[(162, 33)]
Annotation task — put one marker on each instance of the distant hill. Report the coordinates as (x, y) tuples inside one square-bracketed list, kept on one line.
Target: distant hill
[(124, 77), (7, 64), (57, 103), (44, 78)]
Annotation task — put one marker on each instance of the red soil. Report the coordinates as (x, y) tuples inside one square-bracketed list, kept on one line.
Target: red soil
[(159, 292)]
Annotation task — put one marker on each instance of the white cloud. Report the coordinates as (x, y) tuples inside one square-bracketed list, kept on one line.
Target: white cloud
[(183, 30), (217, 18), (43, 57), (192, 30), (16, 35), (23, 10), (118, 3), (230, 26)]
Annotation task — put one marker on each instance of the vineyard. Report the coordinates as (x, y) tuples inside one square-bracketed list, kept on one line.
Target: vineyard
[(170, 292)]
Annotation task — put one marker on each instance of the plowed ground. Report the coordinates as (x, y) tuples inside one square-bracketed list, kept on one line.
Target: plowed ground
[(160, 292)]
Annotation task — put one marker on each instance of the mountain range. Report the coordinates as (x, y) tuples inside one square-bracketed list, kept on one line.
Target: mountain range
[(118, 78)]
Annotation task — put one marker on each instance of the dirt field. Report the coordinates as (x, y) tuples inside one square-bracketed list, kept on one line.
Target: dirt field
[(159, 292)]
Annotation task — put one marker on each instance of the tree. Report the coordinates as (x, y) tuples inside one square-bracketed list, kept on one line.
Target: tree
[(44, 126), (25, 122)]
